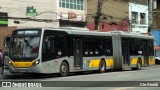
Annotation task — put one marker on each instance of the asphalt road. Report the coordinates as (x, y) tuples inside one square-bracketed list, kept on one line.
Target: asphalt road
[(111, 80)]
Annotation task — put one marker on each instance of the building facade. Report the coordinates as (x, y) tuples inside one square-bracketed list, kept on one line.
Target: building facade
[(158, 12), (48, 13), (41, 13), (138, 17), (155, 15), (125, 15)]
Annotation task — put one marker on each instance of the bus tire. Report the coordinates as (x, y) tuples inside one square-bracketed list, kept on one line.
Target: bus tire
[(64, 69), (102, 66)]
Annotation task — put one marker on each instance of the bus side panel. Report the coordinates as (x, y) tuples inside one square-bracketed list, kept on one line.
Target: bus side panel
[(109, 63), (91, 63), (151, 60), (53, 66), (134, 59)]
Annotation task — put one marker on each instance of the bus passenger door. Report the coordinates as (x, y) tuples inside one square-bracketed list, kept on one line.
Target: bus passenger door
[(145, 53), (77, 52), (125, 52)]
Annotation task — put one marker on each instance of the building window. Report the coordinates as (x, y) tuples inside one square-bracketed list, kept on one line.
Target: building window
[(142, 18), (134, 17), (63, 3), (67, 4), (71, 4)]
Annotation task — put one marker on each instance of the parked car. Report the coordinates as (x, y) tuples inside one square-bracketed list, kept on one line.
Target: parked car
[(157, 59), (157, 55)]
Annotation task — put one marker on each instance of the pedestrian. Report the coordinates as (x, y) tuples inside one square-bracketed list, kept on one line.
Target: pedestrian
[(1, 57), (1, 62)]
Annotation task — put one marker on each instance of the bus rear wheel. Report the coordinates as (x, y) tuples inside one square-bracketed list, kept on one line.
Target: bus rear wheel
[(102, 66), (64, 69)]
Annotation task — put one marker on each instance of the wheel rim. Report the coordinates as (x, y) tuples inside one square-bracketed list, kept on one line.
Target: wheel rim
[(102, 66), (63, 68)]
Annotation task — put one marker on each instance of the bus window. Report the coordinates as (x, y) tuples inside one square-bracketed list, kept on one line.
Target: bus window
[(88, 47), (98, 47), (108, 47), (151, 46), (134, 47), (54, 46), (47, 45), (61, 47), (48, 48)]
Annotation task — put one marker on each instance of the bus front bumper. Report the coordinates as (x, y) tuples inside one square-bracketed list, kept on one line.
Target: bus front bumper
[(35, 69)]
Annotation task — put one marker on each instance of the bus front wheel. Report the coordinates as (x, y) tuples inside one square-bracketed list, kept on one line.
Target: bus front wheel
[(64, 69)]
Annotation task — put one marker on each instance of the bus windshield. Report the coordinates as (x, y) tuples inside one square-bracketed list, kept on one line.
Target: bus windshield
[(25, 46)]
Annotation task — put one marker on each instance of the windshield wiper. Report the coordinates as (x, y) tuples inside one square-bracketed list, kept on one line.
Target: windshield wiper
[(28, 43)]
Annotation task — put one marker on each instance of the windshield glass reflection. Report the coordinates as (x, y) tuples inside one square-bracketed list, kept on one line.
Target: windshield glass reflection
[(26, 47)]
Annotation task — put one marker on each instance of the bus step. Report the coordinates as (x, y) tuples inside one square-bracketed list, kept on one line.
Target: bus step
[(126, 66)]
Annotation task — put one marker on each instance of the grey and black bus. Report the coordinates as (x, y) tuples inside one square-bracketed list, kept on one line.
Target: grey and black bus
[(65, 50)]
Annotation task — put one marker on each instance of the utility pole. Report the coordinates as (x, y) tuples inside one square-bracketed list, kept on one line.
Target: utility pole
[(151, 14), (98, 14)]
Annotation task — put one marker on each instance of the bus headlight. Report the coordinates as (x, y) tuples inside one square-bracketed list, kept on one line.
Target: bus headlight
[(10, 62), (36, 63)]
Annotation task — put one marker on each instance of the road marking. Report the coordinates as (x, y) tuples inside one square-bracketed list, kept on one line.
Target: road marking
[(122, 88)]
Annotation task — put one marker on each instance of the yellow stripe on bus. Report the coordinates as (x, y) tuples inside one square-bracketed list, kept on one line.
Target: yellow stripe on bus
[(109, 62), (94, 63), (151, 61), (142, 61), (134, 60), (22, 64)]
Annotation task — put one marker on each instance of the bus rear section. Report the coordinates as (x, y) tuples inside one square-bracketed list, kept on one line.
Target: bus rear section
[(137, 51)]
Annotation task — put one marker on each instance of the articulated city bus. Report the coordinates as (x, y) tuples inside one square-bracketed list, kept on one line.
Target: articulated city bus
[(64, 50)]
